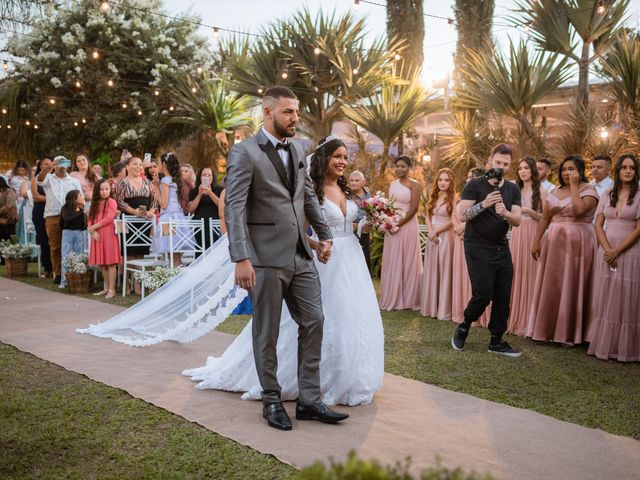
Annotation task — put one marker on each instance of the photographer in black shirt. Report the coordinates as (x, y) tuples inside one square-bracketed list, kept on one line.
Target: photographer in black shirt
[(489, 205)]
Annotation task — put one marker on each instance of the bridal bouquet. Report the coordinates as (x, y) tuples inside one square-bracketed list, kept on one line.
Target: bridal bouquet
[(382, 213)]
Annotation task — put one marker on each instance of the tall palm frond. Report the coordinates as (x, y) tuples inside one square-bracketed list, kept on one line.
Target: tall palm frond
[(209, 105), (573, 28), (391, 109), (467, 147), (512, 84)]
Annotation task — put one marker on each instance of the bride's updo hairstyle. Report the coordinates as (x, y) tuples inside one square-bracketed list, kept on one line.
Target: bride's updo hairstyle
[(320, 162)]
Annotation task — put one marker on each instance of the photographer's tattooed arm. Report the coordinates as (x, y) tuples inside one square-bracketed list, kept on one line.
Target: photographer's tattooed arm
[(472, 212)]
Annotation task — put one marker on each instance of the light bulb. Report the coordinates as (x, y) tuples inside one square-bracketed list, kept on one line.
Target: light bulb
[(216, 33), (171, 108), (5, 65), (78, 84), (4, 111), (84, 120), (104, 7), (52, 101), (260, 90), (95, 55), (285, 75), (35, 126), (110, 83), (27, 123), (317, 50), (601, 8), (140, 113), (194, 89), (356, 5), (75, 124), (604, 134), (199, 70), (9, 127), (355, 71), (397, 56), (124, 105), (156, 93)]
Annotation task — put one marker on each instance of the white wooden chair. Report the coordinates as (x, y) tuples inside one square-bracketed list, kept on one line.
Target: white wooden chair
[(29, 231), (424, 237), (215, 230), (137, 232), (185, 237)]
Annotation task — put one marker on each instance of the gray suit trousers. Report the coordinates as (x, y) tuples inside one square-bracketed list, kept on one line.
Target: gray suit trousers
[(299, 285)]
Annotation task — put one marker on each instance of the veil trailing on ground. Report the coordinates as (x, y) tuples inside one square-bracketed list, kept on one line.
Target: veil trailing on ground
[(189, 306)]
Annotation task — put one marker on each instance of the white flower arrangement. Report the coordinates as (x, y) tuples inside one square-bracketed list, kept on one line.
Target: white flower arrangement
[(13, 250), (155, 279), (76, 263)]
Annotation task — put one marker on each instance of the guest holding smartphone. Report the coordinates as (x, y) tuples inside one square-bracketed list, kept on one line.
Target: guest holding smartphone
[(204, 201)]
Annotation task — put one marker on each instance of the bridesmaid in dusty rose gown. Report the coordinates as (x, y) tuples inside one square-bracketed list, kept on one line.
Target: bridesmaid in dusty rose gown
[(461, 284), (524, 266), (401, 259), (561, 304), (438, 260), (615, 329)]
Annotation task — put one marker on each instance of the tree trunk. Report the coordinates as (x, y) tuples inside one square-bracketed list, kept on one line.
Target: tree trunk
[(385, 160), (583, 76), (405, 19), (401, 144)]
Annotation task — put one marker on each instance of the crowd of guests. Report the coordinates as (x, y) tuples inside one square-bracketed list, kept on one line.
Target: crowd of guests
[(71, 208), (576, 254)]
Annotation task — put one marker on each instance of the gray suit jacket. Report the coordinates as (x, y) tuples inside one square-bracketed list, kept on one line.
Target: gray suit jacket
[(265, 220)]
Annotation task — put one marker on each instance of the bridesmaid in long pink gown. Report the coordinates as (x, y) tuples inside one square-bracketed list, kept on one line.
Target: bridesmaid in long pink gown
[(615, 330), (401, 259), (561, 305), (461, 284), (524, 266), (437, 279)]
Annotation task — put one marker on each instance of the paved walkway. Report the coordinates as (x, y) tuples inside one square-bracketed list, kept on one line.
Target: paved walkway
[(407, 418)]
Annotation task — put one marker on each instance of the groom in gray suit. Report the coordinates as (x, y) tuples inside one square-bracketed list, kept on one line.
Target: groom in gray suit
[(268, 197)]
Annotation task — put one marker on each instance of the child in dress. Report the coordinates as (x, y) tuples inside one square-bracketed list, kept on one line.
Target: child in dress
[(105, 248)]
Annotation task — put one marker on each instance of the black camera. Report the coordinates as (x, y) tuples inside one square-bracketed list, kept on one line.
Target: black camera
[(496, 173)]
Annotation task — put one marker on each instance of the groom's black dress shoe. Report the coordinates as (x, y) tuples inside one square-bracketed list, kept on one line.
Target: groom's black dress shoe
[(276, 416), (318, 411)]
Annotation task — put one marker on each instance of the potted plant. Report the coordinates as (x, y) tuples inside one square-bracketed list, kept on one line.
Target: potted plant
[(78, 273), (16, 256), (154, 279)]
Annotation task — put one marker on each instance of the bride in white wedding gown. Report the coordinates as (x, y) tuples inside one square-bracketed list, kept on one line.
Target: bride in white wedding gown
[(352, 361)]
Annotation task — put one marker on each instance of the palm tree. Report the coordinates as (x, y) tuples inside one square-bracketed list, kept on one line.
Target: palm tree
[(391, 109), (405, 20), (323, 58), (468, 146), (474, 20), (209, 106), (580, 30), (511, 85), (621, 68)]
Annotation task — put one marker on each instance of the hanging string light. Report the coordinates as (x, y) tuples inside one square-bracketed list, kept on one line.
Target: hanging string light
[(105, 7), (124, 105), (4, 111), (285, 75), (216, 33), (95, 55), (355, 71), (110, 83), (356, 5), (260, 90), (194, 89), (78, 84), (139, 113), (397, 56), (27, 123), (35, 126), (84, 120), (171, 108), (156, 93), (5, 65), (601, 8), (317, 50), (75, 124), (52, 101), (199, 70)]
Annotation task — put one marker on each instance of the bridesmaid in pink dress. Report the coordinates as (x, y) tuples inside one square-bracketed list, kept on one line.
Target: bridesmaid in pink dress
[(615, 330), (401, 259), (524, 266), (437, 280), (560, 310), (461, 284)]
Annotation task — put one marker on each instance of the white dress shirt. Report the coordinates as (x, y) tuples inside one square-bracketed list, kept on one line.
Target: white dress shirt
[(56, 189), (603, 185), (547, 185), (283, 153)]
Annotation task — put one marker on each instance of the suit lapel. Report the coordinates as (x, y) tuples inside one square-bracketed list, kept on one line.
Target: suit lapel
[(272, 153), (293, 158)]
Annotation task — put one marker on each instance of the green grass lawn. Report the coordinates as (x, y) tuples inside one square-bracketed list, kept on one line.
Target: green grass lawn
[(57, 423)]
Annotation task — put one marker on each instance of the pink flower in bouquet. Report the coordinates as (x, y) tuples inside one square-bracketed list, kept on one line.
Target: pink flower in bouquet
[(382, 213)]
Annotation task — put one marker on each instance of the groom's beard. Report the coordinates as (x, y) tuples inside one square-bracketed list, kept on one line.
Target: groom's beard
[(282, 131)]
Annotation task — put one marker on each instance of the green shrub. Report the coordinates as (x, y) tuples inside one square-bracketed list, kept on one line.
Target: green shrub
[(357, 469)]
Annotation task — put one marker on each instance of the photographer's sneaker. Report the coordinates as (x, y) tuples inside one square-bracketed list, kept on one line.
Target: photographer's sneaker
[(459, 337), (503, 348)]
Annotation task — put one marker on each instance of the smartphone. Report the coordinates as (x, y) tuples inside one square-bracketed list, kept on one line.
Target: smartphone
[(205, 181), (142, 208), (66, 163)]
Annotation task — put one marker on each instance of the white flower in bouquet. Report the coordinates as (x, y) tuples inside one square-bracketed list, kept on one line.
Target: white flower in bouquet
[(76, 263), (13, 250)]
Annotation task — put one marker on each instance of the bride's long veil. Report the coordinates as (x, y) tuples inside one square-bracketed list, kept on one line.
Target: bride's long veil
[(189, 306)]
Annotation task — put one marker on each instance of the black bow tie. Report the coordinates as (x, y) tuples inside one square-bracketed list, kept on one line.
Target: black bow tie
[(283, 146)]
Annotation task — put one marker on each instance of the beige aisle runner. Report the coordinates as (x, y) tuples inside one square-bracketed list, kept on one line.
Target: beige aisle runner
[(407, 418)]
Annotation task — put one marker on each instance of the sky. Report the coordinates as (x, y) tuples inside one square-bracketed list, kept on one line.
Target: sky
[(439, 42)]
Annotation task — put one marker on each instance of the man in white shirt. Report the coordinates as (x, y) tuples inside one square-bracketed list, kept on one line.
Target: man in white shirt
[(600, 167), (56, 183), (544, 172)]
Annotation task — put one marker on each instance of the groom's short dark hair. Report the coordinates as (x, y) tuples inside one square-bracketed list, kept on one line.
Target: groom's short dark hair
[(278, 92)]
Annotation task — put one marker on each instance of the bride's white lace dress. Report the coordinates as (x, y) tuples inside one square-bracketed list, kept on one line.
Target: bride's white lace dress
[(352, 365)]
